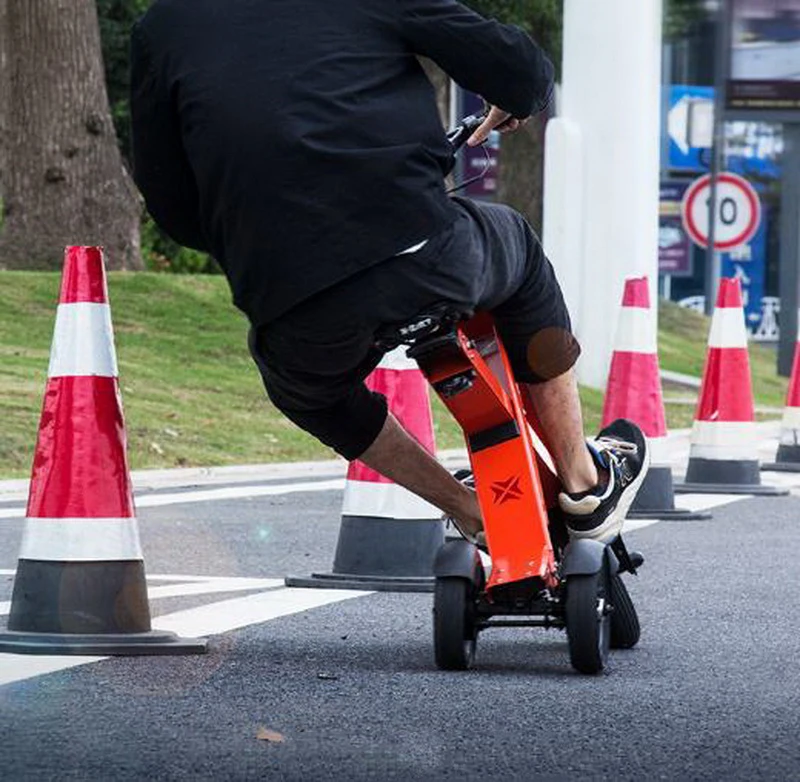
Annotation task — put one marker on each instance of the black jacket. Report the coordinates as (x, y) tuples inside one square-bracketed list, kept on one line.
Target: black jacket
[(298, 141)]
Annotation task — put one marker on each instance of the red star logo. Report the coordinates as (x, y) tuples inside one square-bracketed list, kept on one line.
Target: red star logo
[(506, 490)]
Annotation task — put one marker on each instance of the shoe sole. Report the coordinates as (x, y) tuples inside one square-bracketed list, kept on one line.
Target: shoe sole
[(612, 526)]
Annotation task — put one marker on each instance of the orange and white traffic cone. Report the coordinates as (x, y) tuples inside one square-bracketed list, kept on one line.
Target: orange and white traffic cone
[(388, 537), (787, 458), (634, 392), (723, 454), (80, 582)]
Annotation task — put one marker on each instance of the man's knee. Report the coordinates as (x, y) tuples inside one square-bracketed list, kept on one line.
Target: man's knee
[(349, 425)]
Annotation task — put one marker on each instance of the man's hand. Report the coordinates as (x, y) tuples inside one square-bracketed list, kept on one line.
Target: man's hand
[(496, 119)]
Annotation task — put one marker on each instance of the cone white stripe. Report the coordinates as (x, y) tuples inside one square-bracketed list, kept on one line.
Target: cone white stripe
[(81, 540), (659, 450), (724, 440), (83, 342), (636, 331), (385, 500), (727, 328), (397, 359)]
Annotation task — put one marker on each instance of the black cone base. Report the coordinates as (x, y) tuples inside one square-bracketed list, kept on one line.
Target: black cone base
[(85, 608), (718, 476), (656, 500), (787, 459), (780, 467), (388, 555), (108, 644), (367, 583)]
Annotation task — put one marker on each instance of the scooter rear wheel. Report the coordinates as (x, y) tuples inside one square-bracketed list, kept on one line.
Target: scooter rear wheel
[(625, 630), (455, 635), (588, 620)]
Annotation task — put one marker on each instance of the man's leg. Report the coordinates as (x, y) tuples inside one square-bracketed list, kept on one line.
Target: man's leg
[(558, 408), (402, 459), (399, 457)]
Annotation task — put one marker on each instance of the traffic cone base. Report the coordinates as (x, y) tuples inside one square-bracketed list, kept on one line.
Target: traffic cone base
[(723, 476), (152, 643), (655, 499)]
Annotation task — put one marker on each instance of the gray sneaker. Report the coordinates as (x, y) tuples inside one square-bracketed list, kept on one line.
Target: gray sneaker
[(621, 451)]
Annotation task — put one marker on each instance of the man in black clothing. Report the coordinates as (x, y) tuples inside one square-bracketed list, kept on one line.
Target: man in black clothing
[(298, 142)]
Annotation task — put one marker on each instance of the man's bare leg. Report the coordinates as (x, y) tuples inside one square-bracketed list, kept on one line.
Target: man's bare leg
[(401, 458), (558, 408)]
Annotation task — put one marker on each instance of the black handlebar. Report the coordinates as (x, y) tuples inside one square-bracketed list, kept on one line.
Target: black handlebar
[(459, 135)]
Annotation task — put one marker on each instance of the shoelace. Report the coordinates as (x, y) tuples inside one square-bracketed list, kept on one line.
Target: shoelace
[(612, 445)]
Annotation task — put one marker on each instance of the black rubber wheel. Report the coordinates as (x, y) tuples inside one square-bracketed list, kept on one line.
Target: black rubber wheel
[(625, 630), (454, 633), (588, 621)]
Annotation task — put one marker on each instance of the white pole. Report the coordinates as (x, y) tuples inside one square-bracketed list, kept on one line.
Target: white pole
[(611, 103)]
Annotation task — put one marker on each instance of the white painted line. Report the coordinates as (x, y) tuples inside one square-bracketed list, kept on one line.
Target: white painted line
[(18, 667), (198, 587), (214, 588), (213, 495), (236, 492), (244, 611), (12, 513), (633, 524), (197, 622), (696, 502)]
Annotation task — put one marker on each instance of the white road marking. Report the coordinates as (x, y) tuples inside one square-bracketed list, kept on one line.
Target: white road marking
[(696, 502), (214, 619), (243, 611), (195, 586), (212, 495)]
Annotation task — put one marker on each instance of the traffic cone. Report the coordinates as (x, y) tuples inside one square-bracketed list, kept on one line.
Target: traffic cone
[(80, 583), (787, 458), (723, 453), (388, 536), (634, 392)]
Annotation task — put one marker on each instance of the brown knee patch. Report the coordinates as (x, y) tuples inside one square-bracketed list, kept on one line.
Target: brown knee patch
[(551, 352)]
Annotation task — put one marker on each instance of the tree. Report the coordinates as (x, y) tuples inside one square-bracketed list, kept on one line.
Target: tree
[(116, 20), (521, 179), (65, 183), (3, 99)]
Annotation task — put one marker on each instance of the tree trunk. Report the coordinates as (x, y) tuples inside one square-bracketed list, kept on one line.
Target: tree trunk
[(66, 183), (441, 83), (3, 98), (521, 178)]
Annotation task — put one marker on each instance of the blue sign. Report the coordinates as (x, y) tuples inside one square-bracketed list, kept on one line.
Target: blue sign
[(683, 112)]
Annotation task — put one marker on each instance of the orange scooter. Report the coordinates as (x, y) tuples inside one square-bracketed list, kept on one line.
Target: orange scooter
[(537, 576)]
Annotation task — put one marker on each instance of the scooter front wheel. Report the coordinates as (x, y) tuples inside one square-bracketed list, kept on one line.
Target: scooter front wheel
[(455, 634), (588, 620)]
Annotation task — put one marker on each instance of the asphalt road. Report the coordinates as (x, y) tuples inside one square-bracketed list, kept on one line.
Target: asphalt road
[(349, 691)]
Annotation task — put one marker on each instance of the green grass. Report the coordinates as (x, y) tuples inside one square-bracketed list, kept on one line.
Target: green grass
[(191, 393)]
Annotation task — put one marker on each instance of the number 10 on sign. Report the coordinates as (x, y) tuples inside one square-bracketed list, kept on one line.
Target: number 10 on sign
[(738, 211)]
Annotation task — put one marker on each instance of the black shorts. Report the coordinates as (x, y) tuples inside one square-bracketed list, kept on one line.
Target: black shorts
[(314, 359)]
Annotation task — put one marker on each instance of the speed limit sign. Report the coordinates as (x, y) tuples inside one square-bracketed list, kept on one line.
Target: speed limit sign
[(738, 211)]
